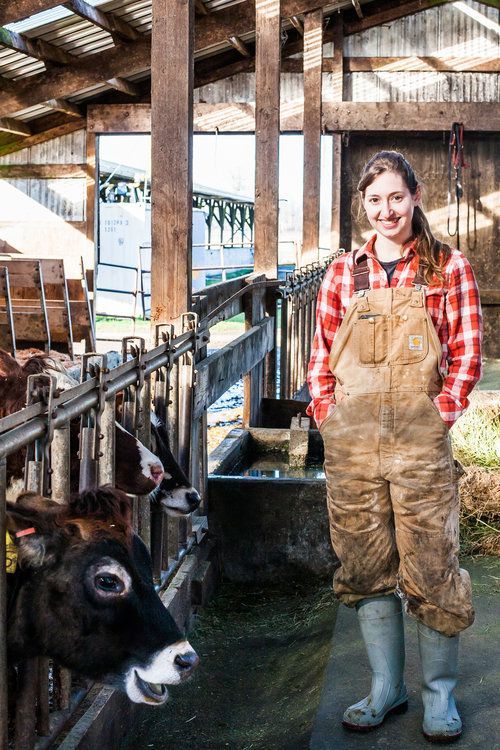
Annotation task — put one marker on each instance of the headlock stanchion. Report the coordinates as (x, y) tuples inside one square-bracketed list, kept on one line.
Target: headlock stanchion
[(184, 385)]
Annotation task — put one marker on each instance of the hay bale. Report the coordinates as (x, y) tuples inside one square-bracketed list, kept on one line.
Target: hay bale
[(476, 435), (480, 511)]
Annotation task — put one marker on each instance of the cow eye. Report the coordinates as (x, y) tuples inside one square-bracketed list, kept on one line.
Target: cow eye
[(109, 583)]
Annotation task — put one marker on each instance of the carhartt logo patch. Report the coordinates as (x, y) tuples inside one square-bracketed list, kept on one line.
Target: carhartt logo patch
[(416, 343)]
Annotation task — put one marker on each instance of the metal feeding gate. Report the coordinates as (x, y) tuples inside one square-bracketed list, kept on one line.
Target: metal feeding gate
[(181, 380)]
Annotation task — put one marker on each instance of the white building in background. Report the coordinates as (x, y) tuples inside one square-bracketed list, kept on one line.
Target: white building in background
[(222, 240)]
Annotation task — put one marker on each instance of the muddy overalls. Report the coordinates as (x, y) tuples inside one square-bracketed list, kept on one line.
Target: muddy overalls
[(391, 480)]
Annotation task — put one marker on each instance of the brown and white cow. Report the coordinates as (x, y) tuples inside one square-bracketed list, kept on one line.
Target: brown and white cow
[(138, 471), (82, 593)]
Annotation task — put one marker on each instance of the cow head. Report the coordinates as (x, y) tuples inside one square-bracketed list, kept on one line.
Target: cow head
[(84, 596), (175, 492)]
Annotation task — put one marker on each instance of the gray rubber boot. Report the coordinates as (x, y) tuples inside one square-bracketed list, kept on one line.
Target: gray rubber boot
[(381, 623), (439, 658)]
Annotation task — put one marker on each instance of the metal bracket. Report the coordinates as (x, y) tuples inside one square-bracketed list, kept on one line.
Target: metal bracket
[(41, 387)]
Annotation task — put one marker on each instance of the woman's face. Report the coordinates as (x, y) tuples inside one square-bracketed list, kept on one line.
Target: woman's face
[(389, 206)]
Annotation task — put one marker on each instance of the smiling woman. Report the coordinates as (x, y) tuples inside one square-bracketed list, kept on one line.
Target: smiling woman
[(396, 353)]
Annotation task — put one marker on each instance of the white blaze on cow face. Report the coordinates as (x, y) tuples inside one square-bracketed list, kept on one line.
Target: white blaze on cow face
[(151, 466), (169, 666)]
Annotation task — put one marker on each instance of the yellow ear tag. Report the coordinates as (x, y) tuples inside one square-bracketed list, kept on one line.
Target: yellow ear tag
[(10, 554)]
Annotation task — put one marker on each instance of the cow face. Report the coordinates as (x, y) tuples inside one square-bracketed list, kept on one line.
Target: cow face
[(175, 492), (85, 596)]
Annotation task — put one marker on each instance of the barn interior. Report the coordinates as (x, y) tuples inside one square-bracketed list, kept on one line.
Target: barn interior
[(366, 75)]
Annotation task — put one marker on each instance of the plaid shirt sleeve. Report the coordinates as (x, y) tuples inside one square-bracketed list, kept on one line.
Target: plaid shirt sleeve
[(329, 315), (465, 327)]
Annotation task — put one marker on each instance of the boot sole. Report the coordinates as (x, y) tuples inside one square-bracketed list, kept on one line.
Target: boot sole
[(444, 739), (402, 708)]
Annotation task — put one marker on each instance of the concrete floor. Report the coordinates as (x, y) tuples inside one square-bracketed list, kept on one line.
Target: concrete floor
[(347, 679)]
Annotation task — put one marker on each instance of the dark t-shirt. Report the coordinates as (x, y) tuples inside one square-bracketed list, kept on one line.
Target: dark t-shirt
[(389, 267)]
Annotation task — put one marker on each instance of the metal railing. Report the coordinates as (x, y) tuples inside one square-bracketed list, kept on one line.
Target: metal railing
[(181, 380)]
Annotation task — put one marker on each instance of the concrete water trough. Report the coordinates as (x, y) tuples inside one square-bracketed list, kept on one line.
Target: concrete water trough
[(269, 515)]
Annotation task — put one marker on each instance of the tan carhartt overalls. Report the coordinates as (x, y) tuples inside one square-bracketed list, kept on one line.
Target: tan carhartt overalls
[(391, 480)]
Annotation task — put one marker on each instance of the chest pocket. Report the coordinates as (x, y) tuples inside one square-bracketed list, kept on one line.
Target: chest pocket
[(412, 336), (371, 334)]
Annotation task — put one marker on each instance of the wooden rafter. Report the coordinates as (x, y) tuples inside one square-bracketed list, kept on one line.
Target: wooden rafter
[(127, 87), (17, 127), (113, 24), (357, 8), (37, 48), (63, 105), (297, 24), (43, 136), (239, 45)]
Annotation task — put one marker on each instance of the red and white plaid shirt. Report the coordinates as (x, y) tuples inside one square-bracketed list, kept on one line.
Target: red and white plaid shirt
[(453, 306)]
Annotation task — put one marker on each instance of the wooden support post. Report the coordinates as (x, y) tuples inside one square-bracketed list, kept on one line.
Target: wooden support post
[(254, 380), (338, 93), (171, 157), (313, 56), (267, 133)]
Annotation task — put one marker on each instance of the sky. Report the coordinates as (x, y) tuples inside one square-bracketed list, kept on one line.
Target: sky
[(227, 162)]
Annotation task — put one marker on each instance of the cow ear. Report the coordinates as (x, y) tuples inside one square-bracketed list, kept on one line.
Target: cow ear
[(29, 529)]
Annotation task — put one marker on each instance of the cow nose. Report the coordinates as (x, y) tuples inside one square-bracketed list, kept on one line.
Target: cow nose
[(192, 499), (188, 661), (156, 472)]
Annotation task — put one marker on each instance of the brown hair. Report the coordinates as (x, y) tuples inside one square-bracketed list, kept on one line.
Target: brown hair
[(431, 251)]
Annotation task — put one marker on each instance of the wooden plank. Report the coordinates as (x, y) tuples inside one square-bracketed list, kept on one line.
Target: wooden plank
[(42, 171), (422, 63), (11, 125), (226, 366), (408, 116), (46, 135), (171, 158), (313, 56), (267, 131), (337, 117)]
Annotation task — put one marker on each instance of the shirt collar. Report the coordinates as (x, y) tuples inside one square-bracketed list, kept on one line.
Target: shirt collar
[(367, 250)]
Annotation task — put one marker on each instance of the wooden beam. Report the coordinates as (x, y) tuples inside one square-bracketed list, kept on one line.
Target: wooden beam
[(239, 45), (297, 24), (10, 125), (171, 158), (63, 105), (42, 171), (267, 133), (15, 10), (114, 25), (46, 135), (388, 11), (127, 87), (313, 57), (37, 48), (337, 146), (422, 63), (357, 8)]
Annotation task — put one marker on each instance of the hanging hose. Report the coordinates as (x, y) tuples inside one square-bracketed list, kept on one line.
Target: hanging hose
[(455, 164)]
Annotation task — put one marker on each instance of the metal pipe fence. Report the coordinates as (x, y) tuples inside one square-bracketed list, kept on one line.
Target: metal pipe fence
[(177, 379)]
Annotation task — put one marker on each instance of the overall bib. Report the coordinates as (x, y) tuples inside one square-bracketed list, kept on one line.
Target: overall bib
[(391, 479)]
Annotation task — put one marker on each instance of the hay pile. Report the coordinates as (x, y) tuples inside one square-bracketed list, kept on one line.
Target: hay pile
[(476, 444)]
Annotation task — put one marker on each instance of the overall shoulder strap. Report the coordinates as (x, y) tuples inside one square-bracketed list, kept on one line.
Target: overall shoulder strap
[(360, 272)]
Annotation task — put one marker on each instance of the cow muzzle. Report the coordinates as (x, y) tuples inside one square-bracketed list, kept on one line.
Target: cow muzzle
[(170, 666)]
